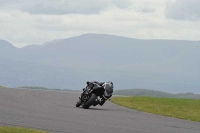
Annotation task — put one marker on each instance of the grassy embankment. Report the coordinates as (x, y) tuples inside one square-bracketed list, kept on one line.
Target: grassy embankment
[(7, 129), (153, 93), (188, 109)]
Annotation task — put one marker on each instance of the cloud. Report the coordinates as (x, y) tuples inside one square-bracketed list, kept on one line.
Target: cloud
[(23, 24), (63, 6), (146, 9), (122, 4), (183, 10)]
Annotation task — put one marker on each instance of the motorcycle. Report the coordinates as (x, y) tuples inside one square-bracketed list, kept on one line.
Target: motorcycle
[(88, 99)]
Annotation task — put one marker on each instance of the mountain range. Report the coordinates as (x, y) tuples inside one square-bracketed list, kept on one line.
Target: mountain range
[(165, 65)]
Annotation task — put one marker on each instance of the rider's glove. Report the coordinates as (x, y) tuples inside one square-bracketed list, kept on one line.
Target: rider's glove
[(90, 91)]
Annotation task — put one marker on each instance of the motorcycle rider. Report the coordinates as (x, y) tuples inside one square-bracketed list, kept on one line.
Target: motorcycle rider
[(107, 87)]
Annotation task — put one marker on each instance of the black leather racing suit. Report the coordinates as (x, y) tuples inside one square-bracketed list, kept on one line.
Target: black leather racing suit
[(100, 89)]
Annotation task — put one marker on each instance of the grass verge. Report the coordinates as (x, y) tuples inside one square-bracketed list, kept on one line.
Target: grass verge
[(188, 109), (9, 129)]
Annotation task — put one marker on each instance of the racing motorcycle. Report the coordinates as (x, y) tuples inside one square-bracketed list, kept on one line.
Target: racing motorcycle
[(90, 96)]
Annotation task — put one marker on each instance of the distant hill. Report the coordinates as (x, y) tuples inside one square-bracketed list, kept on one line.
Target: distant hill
[(153, 93), (6, 45), (32, 47), (15, 73), (42, 88), (7, 50), (171, 65)]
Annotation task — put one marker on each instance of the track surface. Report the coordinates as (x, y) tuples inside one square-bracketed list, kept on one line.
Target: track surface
[(56, 112)]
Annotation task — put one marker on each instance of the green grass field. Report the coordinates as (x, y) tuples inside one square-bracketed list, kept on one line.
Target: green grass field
[(188, 109), (8, 129)]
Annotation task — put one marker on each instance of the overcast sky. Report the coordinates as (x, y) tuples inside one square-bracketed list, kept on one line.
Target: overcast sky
[(25, 22)]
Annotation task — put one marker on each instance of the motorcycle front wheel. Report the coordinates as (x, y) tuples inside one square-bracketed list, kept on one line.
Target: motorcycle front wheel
[(90, 102)]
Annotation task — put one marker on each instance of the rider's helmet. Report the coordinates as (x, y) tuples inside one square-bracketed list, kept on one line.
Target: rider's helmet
[(108, 86), (110, 82)]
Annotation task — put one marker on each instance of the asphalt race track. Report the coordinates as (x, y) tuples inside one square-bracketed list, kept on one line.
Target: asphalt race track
[(56, 112)]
